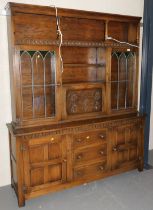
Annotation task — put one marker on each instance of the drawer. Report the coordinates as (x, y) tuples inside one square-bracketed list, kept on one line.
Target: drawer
[(87, 138), (89, 171), (90, 154)]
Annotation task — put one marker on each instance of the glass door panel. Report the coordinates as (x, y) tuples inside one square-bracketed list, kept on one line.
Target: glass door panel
[(38, 82), (123, 70)]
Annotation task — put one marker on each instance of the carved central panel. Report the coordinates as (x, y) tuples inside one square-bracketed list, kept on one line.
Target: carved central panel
[(84, 101)]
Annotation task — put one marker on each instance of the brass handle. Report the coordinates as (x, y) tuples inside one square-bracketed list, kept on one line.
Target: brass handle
[(52, 139), (102, 136), (101, 168), (115, 149), (79, 140), (102, 152), (64, 160), (119, 149), (88, 137), (79, 157)]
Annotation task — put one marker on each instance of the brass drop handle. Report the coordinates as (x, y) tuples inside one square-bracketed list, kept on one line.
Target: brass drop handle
[(64, 160), (102, 152), (119, 148), (79, 157), (79, 140), (52, 139), (102, 136), (115, 149), (101, 168)]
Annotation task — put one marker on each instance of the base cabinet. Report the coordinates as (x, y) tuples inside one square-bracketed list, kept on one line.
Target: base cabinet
[(51, 160)]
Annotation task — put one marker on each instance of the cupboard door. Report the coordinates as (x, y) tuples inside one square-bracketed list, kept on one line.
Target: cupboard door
[(39, 85), (126, 145), (123, 80), (45, 162)]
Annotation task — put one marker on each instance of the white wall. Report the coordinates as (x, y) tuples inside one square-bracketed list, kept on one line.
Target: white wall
[(129, 7)]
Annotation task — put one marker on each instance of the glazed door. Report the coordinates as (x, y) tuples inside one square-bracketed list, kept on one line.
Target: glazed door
[(38, 90), (45, 162), (126, 146), (124, 81)]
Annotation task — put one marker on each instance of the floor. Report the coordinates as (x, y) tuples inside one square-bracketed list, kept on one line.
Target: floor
[(128, 191)]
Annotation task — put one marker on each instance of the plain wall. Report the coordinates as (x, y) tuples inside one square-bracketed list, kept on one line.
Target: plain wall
[(129, 7)]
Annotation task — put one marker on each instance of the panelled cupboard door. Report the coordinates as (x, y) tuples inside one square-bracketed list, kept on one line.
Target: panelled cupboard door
[(45, 162), (126, 146)]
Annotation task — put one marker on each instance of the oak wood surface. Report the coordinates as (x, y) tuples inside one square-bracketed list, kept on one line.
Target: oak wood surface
[(79, 123)]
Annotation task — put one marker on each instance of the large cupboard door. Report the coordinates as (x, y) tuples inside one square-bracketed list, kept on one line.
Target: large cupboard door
[(38, 89), (45, 162), (123, 81), (126, 146)]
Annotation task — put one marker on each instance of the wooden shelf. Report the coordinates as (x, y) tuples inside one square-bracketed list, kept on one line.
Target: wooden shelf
[(83, 65), (83, 83)]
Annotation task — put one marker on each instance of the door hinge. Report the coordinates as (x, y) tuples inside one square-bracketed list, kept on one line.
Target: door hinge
[(22, 147)]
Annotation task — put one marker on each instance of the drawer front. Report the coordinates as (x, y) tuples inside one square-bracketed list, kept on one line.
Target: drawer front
[(90, 154), (93, 170), (84, 139)]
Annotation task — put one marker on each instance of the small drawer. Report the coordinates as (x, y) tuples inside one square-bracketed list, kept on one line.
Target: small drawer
[(89, 154), (87, 138), (89, 171)]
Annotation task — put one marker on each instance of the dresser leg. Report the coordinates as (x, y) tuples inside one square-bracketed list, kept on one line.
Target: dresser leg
[(140, 169), (141, 166), (21, 202)]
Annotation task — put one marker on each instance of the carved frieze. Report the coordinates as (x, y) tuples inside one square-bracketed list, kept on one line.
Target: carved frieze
[(68, 43), (86, 127)]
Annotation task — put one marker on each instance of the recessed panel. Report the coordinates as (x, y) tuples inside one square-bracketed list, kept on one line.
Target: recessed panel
[(82, 29), (34, 27), (83, 101), (37, 177), (118, 30), (55, 172), (36, 154), (54, 151)]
